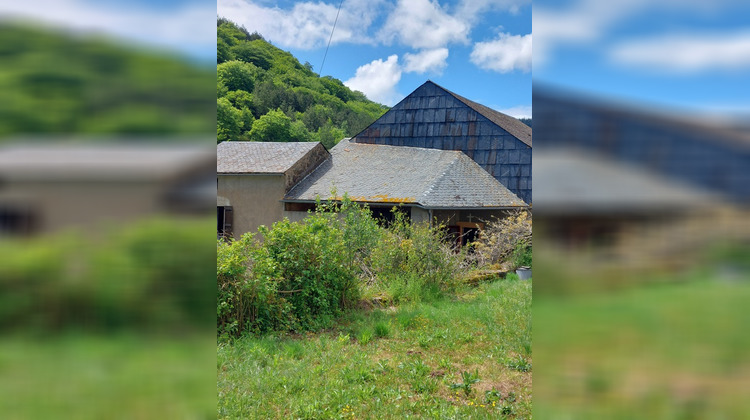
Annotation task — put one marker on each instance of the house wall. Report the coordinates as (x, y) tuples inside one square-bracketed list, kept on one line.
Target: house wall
[(419, 215), (255, 200), (57, 205), (294, 216), (305, 165)]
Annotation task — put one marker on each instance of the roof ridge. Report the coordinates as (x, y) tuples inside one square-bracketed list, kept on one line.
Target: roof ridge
[(436, 180), (512, 125), (464, 157)]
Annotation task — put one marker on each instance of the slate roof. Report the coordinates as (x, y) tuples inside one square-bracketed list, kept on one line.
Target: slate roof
[(696, 153), (44, 161), (512, 125), (430, 178), (576, 182), (246, 157), (435, 118)]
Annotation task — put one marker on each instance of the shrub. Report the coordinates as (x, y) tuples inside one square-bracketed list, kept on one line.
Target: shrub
[(306, 273), (501, 237), (415, 261), (154, 274), (521, 256), (309, 264), (245, 302), (300, 277)]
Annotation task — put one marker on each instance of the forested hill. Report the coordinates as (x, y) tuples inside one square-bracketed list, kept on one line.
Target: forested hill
[(266, 94), (53, 82)]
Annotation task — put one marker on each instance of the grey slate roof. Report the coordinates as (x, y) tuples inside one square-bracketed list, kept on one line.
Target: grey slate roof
[(576, 182), (395, 174), (65, 161), (435, 118), (245, 157), (512, 125)]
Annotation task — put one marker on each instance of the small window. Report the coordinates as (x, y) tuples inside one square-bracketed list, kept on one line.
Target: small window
[(16, 221), (224, 221)]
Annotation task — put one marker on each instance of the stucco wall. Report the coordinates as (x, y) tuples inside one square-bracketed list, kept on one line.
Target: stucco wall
[(295, 216), (58, 205), (255, 200), (419, 215)]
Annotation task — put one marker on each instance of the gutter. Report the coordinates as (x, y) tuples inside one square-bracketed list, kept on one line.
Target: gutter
[(429, 209)]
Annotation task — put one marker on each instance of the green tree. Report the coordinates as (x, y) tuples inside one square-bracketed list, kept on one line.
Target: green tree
[(329, 135), (273, 126), (228, 121), (257, 52), (237, 75)]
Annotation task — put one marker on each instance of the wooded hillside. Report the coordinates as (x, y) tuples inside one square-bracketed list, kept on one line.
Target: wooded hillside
[(56, 82), (266, 94)]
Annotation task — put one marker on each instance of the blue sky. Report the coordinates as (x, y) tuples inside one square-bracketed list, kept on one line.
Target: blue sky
[(184, 26), (480, 49), (685, 55)]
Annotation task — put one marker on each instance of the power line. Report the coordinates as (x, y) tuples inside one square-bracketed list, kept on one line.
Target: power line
[(320, 73)]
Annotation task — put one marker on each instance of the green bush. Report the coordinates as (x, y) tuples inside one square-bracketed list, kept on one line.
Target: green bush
[(300, 277), (152, 274), (521, 255), (304, 274)]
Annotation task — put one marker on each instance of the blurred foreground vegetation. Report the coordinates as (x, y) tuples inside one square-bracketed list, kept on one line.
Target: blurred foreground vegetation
[(54, 82), (646, 341), (152, 275), (114, 324)]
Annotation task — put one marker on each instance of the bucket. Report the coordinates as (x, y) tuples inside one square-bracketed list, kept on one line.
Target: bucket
[(524, 273)]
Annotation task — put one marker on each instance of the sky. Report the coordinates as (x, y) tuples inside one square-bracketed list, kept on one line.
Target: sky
[(687, 55), (480, 49), (187, 27)]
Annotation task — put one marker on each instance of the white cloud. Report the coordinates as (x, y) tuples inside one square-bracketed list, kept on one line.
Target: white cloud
[(505, 54), (378, 80), (188, 28), (687, 52), (423, 24), (426, 61), (470, 10), (519, 111), (306, 25), (589, 21)]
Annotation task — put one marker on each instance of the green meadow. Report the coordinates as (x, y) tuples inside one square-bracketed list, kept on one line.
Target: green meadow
[(466, 355)]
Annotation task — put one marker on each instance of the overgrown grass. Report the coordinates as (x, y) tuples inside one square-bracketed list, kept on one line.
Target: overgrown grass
[(390, 363), (672, 351)]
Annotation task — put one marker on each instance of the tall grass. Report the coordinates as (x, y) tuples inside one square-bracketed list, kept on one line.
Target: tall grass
[(395, 363)]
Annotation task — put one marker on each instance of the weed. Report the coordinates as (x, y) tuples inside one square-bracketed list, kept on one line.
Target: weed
[(445, 363), (424, 385), (382, 329), (469, 379), (492, 396), (364, 337), (517, 363)]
